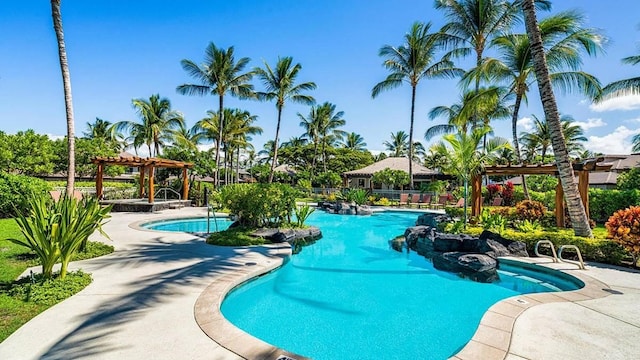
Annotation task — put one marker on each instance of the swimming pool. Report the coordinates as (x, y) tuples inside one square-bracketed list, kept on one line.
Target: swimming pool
[(349, 296), (196, 225)]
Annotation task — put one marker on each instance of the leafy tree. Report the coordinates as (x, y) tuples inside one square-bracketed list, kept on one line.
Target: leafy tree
[(343, 160), (87, 149), (354, 141), (629, 180), (27, 153), (68, 100), (393, 178), (329, 179), (411, 62), (219, 75), (280, 86), (577, 212)]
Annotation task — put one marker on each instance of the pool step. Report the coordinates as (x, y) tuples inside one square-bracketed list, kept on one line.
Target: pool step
[(557, 257)]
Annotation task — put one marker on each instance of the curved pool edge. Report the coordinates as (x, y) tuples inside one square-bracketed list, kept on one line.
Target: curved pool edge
[(138, 225), (492, 338), (211, 321)]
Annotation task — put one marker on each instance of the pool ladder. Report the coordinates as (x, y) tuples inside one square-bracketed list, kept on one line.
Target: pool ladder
[(557, 257)]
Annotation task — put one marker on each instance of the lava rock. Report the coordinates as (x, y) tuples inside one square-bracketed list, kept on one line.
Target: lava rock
[(450, 242), (499, 246), (478, 267), (432, 220), (398, 243)]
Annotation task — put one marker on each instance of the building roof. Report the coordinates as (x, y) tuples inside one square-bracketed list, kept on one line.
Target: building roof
[(285, 168), (393, 163), (595, 178), (623, 162)]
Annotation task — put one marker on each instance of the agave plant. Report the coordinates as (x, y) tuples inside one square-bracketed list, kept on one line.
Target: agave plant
[(55, 230)]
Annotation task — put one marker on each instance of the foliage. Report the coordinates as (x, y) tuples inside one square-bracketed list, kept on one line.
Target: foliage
[(92, 184), (93, 249), (259, 205), (507, 194), (603, 203), (455, 227), (629, 180), (527, 226), (358, 196), (393, 178), (493, 190), (305, 186), (530, 210), (624, 227), (56, 230), (13, 189), (455, 212), (383, 201), (492, 221), (27, 153), (436, 187), (542, 183), (329, 179), (302, 214), (85, 150), (237, 236), (49, 291)]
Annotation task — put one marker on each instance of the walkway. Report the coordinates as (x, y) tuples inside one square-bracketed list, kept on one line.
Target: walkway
[(142, 304)]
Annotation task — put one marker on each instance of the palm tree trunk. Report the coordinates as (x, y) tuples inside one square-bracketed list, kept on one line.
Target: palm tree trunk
[(577, 211), (68, 101), (216, 178), (516, 145), (413, 108), (238, 166), (324, 155), (315, 155), (275, 145)]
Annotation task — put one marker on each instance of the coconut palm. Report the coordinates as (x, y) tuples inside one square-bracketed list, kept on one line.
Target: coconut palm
[(411, 62), (185, 138), (539, 138), (279, 84), (219, 75), (354, 141), (240, 130), (466, 155), (311, 123), (575, 207), (624, 87), (418, 151), (295, 141), (398, 144), (157, 122), (328, 128), (68, 100), (99, 129)]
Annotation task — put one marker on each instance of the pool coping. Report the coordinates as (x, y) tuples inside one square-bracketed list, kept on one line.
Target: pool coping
[(137, 225), (491, 340)]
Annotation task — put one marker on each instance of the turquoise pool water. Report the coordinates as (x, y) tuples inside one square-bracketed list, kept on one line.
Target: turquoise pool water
[(198, 225), (349, 296)]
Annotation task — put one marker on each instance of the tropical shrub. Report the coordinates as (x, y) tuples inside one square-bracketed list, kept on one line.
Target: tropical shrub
[(629, 180), (358, 196), (530, 210), (624, 227), (492, 222), (383, 202), (393, 178), (56, 230), (526, 226), (455, 227), (302, 214), (47, 291), (493, 190), (304, 185), (259, 205), (507, 194), (329, 179), (603, 203), (13, 189)]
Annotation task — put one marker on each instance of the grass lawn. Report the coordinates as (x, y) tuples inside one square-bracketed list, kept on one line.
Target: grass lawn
[(14, 259)]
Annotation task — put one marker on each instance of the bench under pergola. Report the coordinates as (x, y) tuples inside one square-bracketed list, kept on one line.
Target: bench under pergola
[(148, 164), (581, 170)]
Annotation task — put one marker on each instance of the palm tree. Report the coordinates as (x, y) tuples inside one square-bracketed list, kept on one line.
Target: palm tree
[(411, 62), (68, 101), (220, 74), (266, 154), (240, 130), (280, 86), (311, 125), (157, 122), (100, 129), (540, 138), (418, 151), (398, 144), (466, 157), (575, 207), (624, 87), (330, 121), (354, 141), (295, 141), (185, 138)]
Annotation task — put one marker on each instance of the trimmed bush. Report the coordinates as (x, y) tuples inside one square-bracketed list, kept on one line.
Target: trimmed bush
[(624, 227), (530, 210), (14, 190), (603, 203)]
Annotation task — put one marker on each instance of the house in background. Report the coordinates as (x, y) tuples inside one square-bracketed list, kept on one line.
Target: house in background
[(361, 178)]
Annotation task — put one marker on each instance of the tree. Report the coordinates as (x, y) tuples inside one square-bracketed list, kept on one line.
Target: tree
[(466, 157), (354, 141), (411, 62), (219, 75), (28, 153), (280, 86), (540, 138), (330, 121), (624, 87), (577, 212), (68, 101), (398, 144), (158, 120), (393, 178)]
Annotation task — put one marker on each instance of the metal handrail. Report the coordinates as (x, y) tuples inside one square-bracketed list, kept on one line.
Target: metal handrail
[(580, 263), (553, 250), (165, 193)]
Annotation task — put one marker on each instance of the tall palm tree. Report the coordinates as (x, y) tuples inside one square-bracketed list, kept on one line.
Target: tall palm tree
[(398, 144), (328, 127), (418, 151), (240, 130), (185, 138), (157, 122), (68, 100), (466, 155), (99, 129), (540, 137), (219, 75), (411, 62), (266, 154), (354, 141), (279, 84), (295, 141), (575, 207), (311, 123)]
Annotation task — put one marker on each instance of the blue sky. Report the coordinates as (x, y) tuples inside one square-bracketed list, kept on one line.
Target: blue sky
[(120, 50)]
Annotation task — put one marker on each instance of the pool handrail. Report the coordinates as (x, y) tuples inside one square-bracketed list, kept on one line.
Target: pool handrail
[(579, 263), (554, 258)]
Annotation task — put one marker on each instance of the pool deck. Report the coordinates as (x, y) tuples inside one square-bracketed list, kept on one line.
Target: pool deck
[(157, 296)]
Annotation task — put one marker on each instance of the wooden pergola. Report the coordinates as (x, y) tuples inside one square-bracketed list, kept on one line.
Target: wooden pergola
[(582, 171), (144, 164)]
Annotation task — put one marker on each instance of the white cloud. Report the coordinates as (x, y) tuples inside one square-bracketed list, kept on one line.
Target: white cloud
[(376, 152), (625, 103), (55, 137), (617, 142), (590, 123), (526, 123), (205, 147)]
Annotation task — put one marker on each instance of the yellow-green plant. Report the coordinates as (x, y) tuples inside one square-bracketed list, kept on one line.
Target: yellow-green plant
[(624, 227), (55, 230), (303, 213)]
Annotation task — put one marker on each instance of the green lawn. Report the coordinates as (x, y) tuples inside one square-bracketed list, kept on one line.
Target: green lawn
[(14, 259)]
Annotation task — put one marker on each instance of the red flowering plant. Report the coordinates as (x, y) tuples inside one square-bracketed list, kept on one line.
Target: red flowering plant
[(493, 190), (624, 228), (507, 194)]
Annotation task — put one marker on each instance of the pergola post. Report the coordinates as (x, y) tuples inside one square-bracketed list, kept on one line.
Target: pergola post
[(583, 187), (142, 175), (185, 184), (99, 181), (476, 195), (559, 205), (151, 185)]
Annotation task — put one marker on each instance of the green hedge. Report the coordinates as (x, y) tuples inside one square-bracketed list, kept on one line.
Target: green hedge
[(13, 191), (92, 184), (603, 203), (259, 205)]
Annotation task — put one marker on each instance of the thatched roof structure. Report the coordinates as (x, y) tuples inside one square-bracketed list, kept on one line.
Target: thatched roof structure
[(393, 163)]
